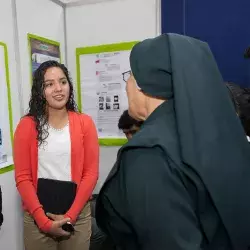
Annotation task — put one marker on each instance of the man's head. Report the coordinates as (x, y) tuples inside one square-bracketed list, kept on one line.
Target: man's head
[(128, 125), (241, 100)]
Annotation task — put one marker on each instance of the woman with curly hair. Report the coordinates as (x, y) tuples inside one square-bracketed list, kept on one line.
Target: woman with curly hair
[(55, 149)]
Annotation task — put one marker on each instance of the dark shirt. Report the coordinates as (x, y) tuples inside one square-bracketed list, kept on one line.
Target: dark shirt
[(147, 205)]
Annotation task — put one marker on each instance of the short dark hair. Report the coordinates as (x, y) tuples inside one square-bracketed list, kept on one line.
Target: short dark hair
[(127, 122), (241, 99), (247, 53)]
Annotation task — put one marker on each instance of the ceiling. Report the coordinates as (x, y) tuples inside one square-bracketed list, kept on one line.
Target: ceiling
[(77, 2), (69, 1), (80, 1)]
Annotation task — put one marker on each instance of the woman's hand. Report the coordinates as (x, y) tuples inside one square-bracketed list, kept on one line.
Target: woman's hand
[(55, 217), (56, 228)]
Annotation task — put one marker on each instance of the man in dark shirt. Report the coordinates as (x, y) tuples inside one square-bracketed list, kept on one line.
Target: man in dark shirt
[(128, 125)]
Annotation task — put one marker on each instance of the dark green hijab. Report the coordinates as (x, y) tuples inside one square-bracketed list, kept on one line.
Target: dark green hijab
[(211, 138)]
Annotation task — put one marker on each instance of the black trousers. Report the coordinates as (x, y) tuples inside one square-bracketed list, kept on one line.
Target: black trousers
[(98, 240)]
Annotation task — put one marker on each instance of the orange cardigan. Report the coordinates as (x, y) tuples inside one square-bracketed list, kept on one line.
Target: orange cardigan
[(84, 165)]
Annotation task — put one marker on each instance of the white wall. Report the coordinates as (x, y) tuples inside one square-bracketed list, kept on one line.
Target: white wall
[(108, 22), (42, 18), (103, 23), (11, 232), (7, 37), (39, 17)]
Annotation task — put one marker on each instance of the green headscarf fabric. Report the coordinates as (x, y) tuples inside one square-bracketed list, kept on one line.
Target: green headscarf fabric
[(210, 137)]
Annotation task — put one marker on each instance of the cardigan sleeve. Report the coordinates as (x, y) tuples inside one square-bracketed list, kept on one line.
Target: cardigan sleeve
[(23, 172), (90, 168)]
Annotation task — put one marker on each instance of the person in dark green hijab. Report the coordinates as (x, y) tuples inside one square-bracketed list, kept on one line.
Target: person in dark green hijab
[(183, 181)]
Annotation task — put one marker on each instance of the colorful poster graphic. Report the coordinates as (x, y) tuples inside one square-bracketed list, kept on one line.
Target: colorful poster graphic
[(43, 50)]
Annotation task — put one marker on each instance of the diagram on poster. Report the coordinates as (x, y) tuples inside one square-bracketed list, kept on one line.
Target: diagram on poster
[(102, 87), (42, 50), (6, 158)]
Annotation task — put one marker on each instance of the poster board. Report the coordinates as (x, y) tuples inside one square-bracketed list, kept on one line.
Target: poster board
[(6, 124), (41, 50), (101, 88)]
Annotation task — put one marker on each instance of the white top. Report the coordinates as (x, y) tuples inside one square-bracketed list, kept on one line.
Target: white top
[(54, 156)]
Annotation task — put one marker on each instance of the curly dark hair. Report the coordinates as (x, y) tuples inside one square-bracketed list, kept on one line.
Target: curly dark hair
[(38, 103), (241, 100)]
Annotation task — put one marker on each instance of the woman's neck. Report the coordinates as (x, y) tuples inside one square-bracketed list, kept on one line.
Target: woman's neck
[(58, 118), (152, 105)]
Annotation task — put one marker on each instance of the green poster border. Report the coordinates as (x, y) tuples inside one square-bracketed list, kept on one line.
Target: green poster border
[(42, 39), (7, 73), (95, 50)]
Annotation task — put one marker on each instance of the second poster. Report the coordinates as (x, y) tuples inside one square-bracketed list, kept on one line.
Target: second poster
[(42, 50), (102, 87)]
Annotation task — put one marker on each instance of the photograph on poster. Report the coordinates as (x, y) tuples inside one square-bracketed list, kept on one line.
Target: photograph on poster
[(42, 50)]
